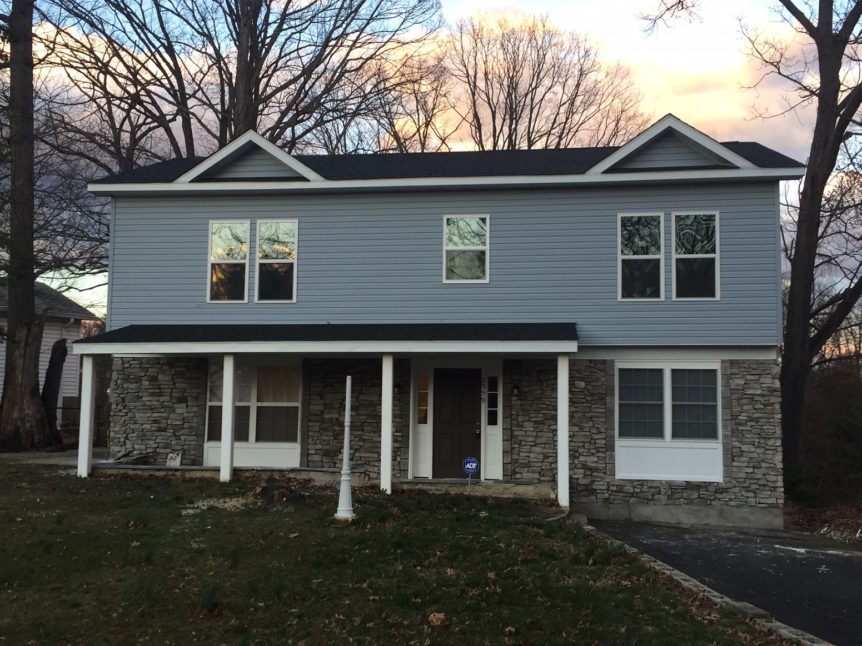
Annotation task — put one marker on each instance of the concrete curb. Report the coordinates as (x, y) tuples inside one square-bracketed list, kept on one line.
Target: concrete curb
[(758, 615)]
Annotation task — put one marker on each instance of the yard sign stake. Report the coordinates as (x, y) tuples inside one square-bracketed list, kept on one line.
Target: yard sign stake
[(345, 496)]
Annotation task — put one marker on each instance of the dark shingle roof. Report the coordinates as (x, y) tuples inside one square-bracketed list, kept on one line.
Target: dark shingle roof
[(500, 163), (339, 332), (50, 302)]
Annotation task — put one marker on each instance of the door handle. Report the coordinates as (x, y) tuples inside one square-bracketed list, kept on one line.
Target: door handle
[(478, 430)]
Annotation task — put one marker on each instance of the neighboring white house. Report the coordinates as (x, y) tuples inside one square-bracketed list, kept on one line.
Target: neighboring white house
[(63, 318)]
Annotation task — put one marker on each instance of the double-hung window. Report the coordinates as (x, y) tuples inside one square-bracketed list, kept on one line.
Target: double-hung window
[(276, 260), (695, 255), (465, 248), (668, 422), (266, 407), (228, 261), (641, 264)]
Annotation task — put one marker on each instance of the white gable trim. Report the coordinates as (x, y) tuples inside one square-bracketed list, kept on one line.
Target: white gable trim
[(244, 141), (666, 123), (432, 183)]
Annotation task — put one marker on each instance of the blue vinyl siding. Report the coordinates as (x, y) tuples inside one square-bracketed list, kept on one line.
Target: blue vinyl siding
[(667, 151), (378, 258), (256, 163)]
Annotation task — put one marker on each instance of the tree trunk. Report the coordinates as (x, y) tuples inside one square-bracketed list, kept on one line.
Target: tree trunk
[(51, 386), (23, 423), (245, 103)]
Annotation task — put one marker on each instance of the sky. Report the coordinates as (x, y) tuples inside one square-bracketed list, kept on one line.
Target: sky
[(699, 70)]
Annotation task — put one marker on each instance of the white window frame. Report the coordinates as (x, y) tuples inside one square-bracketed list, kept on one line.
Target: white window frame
[(258, 261), (486, 248), (620, 256), (679, 452), (253, 405), (211, 262), (716, 255)]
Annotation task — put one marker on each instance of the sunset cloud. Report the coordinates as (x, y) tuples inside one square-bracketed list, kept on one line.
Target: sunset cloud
[(701, 71)]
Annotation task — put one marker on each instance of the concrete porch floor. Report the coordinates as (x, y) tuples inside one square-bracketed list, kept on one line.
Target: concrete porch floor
[(492, 488)]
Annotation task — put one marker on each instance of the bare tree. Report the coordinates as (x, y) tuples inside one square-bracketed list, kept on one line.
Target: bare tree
[(530, 85), (23, 421), (829, 78), (201, 73)]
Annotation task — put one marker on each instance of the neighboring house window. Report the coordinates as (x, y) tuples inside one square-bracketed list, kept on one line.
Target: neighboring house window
[(641, 264), (267, 404), (228, 261), (668, 424), (465, 249), (276, 260), (695, 255)]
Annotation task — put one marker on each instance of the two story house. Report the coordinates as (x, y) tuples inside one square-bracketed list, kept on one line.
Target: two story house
[(600, 321)]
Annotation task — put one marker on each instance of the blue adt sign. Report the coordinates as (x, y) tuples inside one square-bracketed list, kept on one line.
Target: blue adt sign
[(471, 466)]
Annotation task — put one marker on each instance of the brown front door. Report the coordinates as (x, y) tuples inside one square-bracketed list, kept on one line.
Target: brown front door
[(457, 420)]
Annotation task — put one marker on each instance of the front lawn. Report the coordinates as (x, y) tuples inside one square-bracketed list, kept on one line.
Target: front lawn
[(169, 561)]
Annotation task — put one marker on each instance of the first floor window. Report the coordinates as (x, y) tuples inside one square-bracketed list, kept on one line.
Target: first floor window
[(276, 260), (667, 404), (422, 392), (695, 255), (266, 407), (228, 261), (493, 401), (640, 252), (465, 248)]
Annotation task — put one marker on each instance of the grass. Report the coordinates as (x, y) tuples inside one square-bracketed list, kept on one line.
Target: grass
[(121, 560)]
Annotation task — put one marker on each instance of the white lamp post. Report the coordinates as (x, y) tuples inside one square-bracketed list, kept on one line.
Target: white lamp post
[(345, 496)]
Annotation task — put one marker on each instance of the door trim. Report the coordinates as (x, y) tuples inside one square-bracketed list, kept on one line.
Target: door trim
[(421, 441)]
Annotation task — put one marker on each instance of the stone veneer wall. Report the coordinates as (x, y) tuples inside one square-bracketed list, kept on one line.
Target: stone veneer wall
[(530, 420), (323, 415), (158, 405), (751, 431)]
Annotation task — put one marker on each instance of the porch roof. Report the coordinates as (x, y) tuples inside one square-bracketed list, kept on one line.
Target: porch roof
[(326, 337)]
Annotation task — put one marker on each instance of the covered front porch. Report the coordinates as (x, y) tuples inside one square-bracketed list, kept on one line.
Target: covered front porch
[(424, 398)]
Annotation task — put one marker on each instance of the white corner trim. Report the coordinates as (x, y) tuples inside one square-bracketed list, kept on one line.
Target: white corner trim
[(670, 122), (243, 141), (431, 183), (326, 347)]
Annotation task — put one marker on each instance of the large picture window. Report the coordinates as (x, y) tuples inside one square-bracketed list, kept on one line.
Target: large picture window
[(465, 249), (667, 403), (276, 260), (228, 261), (641, 245), (266, 406), (695, 255)]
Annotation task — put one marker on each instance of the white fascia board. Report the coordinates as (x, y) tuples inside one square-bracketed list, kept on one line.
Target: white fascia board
[(670, 354), (328, 347), (670, 122), (517, 181), (244, 140)]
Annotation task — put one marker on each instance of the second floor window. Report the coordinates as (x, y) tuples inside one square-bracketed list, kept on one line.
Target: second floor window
[(276, 260), (465, 249), (228, 261), (640, 256), (695, 255)]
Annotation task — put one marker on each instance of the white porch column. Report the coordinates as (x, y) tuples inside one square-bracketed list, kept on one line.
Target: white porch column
[(227, 419), (88, 405), (386, 425), (563, 430)]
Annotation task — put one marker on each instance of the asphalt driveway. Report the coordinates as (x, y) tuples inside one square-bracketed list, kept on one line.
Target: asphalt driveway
[(804, 581)]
